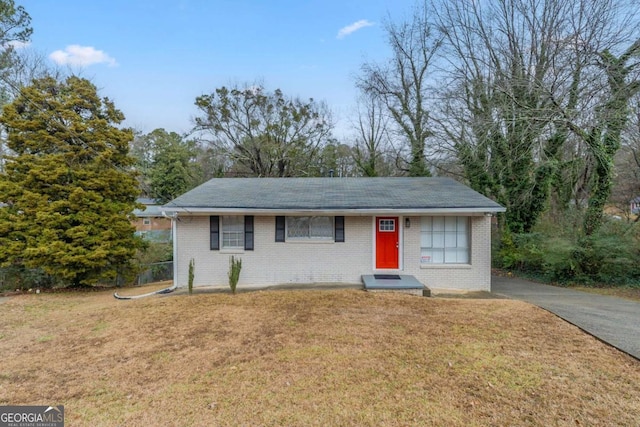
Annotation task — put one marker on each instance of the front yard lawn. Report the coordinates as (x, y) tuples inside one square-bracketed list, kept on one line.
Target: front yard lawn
[(330, 357)]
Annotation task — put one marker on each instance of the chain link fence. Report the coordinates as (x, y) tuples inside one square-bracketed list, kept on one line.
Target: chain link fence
[(155, 272), (35, 278)]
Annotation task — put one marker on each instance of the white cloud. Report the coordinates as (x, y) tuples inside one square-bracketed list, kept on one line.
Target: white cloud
[(352, 28), (81, 55)]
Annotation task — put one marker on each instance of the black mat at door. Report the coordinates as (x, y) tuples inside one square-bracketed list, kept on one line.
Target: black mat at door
[(386, 277)]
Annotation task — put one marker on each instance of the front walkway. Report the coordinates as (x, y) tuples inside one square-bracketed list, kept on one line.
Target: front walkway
[(613, 320)]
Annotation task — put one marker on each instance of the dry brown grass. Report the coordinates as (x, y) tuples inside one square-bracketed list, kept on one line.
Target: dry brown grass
[(341, 357)]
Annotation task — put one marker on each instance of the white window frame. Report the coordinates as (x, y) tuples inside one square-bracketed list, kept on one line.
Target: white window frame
[(146, 221), (310, 238), (229, 232), (443, 242)]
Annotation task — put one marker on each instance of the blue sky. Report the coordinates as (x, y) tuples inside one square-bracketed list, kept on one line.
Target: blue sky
[(154, 57)]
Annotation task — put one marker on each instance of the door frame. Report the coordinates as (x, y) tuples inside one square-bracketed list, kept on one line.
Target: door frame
[(400, 229)]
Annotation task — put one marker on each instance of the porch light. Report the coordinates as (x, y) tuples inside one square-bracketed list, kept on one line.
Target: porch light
[(407, 222)]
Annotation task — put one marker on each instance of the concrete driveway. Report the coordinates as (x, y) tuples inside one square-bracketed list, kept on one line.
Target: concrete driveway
[(611, 319)]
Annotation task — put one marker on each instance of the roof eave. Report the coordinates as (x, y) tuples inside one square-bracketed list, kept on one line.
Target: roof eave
[(199, 211)]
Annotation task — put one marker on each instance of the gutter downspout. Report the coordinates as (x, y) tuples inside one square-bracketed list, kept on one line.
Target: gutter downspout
[(174, 237)]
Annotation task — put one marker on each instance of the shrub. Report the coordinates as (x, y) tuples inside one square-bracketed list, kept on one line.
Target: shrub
[(558, 262), (19, 277), (235, 265), (610, 256), (154, 252), (521, 252), (192, 266)]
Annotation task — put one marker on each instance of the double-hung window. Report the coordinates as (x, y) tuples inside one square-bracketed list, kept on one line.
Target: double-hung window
[(444, 240), (232, 232)]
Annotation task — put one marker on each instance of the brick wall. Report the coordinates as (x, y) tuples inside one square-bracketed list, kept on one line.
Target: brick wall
[(475, 276), (320, 262), (155, 223)]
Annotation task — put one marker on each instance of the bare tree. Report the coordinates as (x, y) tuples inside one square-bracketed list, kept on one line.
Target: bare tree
[(265, 133), (604, 136), (402, 85), (626, 187), (371, 136), (522, 84), (15, 30)]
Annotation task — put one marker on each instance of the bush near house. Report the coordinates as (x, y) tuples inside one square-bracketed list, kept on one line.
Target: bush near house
[(559, 252)]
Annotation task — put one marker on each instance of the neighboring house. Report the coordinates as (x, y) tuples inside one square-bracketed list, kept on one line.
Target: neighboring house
[(334, 230), (634, 206), (150, 223)]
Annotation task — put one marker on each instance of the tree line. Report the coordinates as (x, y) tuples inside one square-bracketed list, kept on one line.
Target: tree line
[(533, 103), (530, 102)]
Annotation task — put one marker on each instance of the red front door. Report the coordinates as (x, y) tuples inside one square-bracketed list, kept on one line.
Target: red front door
[(387, 242)]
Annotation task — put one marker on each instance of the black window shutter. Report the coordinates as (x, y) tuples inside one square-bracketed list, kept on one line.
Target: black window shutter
[(214, 228), (279, 229), (248, 233), (339, 231)]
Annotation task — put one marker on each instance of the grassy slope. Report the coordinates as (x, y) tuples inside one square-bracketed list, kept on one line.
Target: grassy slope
[(309, 358)]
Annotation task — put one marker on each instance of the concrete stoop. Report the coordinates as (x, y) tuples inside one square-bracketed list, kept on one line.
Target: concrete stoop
[(394, 283)]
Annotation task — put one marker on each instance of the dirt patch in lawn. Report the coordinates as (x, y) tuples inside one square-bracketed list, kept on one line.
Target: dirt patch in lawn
[(338, 357)]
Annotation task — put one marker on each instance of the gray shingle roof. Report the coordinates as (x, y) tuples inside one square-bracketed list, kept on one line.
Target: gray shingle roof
[(152, 208), (150, 211), (332, 194)]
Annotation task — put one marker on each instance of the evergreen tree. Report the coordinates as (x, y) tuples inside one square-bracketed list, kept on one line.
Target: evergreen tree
[(167, 164), (68, 188)]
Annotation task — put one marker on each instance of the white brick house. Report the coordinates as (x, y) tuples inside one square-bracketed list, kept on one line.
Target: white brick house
[(334, 230)]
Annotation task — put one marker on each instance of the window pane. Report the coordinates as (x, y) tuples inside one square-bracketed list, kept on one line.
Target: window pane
[(233, 231), (463, 256), (450, 239), (450, 256), (426, 240), (438, 239), (438, 223), (233, 223), (232, 239), (297, 226), (426, 256), (321, 226), (463, 238), (450, 223)]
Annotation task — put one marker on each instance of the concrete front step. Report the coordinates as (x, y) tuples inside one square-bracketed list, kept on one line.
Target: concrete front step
[(394, 283)]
